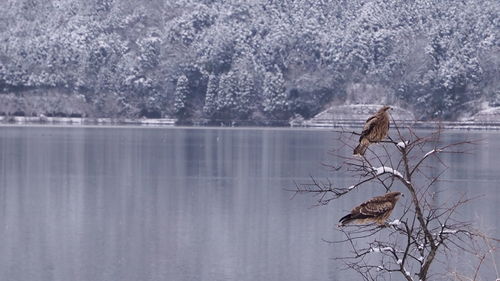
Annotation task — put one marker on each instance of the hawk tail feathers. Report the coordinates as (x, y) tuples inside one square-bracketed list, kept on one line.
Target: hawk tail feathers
[(353, 218), (346, 219), (360, 149)]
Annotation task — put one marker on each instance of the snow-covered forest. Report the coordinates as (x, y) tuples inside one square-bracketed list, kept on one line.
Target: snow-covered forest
[(260, 60)]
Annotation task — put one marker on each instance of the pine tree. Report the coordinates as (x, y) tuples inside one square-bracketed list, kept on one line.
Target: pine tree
[(227, 93), (245, 99), (210, 106), (275, 99), (149, 52), (180, 96)]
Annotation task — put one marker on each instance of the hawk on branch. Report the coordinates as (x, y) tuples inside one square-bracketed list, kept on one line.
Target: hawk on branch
[(375, 130), (378, 209)]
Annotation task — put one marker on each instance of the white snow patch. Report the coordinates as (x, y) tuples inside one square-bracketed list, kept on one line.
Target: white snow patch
[(403, 144), (384, 169), (445, 231), (421, 258), (400, 261), (431, 152), (395, 222), (378, 249), (351, 187)]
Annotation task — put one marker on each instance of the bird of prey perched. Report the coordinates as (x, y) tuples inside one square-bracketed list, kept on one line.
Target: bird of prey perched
[(375, 130), (378, 209)]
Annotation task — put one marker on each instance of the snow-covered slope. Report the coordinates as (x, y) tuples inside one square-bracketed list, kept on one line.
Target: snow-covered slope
[(487, 115), (353, 114), (360, 112)]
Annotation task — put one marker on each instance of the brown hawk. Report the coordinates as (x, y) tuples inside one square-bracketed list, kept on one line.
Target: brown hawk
[(376, 129), (378, 209)]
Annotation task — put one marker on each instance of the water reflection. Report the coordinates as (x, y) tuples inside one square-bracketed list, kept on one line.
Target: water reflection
[(182, 204)]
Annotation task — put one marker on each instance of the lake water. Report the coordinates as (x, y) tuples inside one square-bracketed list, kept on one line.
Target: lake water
[(133, 204)]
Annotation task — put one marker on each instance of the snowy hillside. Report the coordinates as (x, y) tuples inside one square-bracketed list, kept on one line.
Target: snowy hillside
[(487, 115), (257, 61)]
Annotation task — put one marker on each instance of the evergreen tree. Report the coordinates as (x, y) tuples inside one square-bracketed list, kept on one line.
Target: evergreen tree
[(433, 56), (149, 52), (226, 100), (210, 106), (180, 96), (245, 99), (275, 101)]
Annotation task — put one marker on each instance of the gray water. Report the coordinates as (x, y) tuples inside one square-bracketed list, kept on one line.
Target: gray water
[(106, 204)]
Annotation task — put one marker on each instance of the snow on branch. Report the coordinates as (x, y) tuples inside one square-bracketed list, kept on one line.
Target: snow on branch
[(432, 152), (445, 230), (407, 274), (378, 249), (384, 169), (395, 222), (403, 144)]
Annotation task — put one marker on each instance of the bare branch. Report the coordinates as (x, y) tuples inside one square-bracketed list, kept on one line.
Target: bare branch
[(424, 229)]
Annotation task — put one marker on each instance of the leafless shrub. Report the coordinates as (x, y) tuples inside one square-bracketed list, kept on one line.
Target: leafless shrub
[(426, 233)]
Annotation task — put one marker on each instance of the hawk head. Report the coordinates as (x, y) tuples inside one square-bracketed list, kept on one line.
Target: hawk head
[(394, 196), (385, 108)]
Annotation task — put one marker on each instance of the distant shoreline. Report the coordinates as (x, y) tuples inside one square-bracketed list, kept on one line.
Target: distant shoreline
[(79, 121), (449, 125), (169, 122)]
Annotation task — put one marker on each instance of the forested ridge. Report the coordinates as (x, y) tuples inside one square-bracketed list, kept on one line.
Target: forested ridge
[(261, 61)]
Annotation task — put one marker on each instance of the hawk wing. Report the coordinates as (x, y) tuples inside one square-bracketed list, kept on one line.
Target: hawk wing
[(374, 208), (369, 125)]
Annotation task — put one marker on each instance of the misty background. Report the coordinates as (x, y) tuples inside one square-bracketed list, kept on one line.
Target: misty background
[(260, 61)]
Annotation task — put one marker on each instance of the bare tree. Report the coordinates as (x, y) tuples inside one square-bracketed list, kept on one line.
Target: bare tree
[(427, 233)]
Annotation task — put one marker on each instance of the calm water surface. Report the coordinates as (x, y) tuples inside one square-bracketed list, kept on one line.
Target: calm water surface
[(106, 204)]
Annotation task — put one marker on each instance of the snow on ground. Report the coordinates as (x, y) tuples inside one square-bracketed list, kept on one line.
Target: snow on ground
[(360, 112), (491, 114)]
